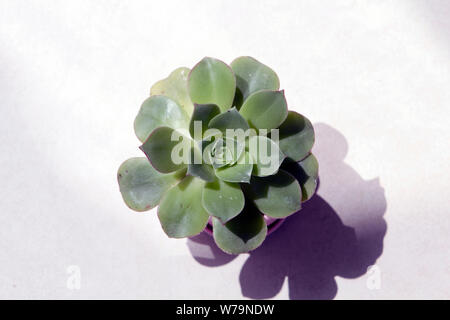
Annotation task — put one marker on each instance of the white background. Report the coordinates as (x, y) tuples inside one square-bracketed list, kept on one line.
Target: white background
[(373, 76)]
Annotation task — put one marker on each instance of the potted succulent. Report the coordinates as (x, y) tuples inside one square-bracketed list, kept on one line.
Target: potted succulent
[(223, 154)]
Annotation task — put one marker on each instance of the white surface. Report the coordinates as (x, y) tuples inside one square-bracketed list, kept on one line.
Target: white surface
[(73, 75)]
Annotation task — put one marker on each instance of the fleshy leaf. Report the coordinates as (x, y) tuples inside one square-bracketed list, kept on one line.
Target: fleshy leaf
[(223, 200), (266, 155), (296, 136), (175, 87), (242, 234), (181, 212), (252, 75), (265, 109), (212, 81), (310, 166), (159, 148), (277, 196), (158, 111), (230, 119), (203, 113), (239, 172), (141, 185), (226, 152), (306, 172), (198, 168)]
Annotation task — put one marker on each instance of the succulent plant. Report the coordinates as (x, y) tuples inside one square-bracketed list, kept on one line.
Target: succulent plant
[(221, 149)]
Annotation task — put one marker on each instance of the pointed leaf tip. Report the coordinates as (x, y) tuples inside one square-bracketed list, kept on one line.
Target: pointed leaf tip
[(157, 111), (141, 185), (252, 76), (212, 81), (175, 86)]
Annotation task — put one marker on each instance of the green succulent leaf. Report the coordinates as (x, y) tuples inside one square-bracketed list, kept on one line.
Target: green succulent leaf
[(306, 172), (141, 185), (230, 119), (159, 148), (277, 196), (252, 75), (181, 212), (159, 111), (198, 168), (266, 155), (310, 167), (308, 188), (244, 233), (203, 113), (265, 109), (212, 81), (240, 172), (195, 170), (296, 136), (223, 200), (175, 87)]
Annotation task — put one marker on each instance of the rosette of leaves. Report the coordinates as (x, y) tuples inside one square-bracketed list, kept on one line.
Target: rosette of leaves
[(231, 188)]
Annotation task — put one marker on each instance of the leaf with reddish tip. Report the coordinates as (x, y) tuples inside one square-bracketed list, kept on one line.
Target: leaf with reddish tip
[(212, 81), (252, 75), (141, 185), (167, 149), (175, 87), (158, 111)]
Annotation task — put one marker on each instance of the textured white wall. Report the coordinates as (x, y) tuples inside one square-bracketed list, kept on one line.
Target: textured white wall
[(374, 76)]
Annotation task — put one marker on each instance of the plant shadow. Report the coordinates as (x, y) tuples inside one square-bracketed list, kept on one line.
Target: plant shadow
[(340, 236)]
